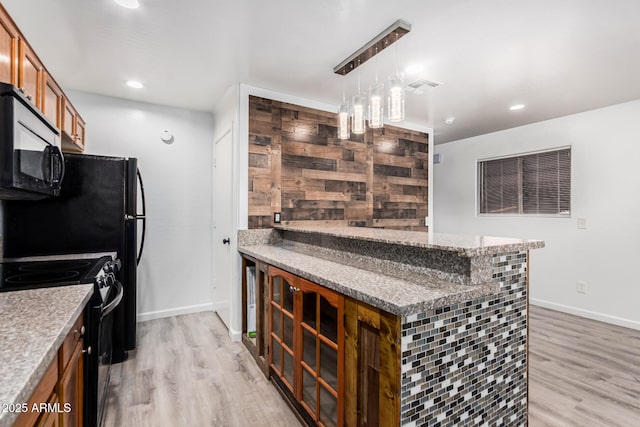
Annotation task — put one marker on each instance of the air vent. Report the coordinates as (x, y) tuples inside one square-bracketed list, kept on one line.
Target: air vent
[(417, 87)]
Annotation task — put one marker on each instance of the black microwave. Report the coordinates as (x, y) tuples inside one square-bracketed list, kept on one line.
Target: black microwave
[(30, 157)]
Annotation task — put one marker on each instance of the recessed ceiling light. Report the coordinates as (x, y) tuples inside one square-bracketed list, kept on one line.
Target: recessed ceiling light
[(135, 84), (449, 120), (516, 107), (129, 4), (414, 68)]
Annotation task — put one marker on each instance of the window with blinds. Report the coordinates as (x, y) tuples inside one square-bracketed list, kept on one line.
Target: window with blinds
[(529, 184)]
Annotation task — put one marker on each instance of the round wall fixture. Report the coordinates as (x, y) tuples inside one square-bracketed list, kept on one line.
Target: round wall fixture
[(166, 137)]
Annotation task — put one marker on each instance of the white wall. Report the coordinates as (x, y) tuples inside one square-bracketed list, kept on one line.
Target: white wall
[(174, 276), (605, 190)]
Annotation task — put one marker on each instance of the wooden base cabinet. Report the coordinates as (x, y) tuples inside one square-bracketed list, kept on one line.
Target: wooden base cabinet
[(58, 399), (306, 347), (336, 360)]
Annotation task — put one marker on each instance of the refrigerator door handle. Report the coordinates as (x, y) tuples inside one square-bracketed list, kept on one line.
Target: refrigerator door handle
[(142, 217)]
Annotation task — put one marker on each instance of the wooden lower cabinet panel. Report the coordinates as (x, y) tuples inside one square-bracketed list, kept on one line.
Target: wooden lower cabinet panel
[(50, 419), (40, 395), (372, 360), (70, 389)]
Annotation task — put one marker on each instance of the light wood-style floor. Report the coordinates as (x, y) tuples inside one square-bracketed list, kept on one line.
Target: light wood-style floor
[(582, 372), (187, 372)]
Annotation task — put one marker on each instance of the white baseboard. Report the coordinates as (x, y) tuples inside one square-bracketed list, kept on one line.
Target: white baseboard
[(236, 336), (607, 318), (160, 314)]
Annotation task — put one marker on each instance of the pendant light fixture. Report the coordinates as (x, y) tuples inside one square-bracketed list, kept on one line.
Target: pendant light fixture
[(358, 106), (395, 103), (343, 118), (376, 104), (395, 100)]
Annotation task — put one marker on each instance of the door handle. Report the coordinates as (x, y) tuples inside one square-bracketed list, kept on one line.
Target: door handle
[(226, 241)]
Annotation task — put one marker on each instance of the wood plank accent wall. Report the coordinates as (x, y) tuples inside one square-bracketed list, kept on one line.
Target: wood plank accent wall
[(298, 166)]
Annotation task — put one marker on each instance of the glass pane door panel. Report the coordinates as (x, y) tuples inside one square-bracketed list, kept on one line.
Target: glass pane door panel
[(309, 390), (309, 309), (276, 349), (309, 349), (328, 408), (288, 366), (275, 321), (288, 331), (328, 320), (277, 289), (287, 295), (329, 365)]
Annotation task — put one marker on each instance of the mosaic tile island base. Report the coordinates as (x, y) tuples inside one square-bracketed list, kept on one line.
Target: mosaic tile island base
[(462, 302)]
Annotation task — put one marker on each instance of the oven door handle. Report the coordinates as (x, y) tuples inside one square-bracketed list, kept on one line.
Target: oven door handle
[(116, 301)]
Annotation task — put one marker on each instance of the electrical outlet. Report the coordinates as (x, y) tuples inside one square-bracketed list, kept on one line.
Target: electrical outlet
[(581, 287), (582, 223), (276, 217)]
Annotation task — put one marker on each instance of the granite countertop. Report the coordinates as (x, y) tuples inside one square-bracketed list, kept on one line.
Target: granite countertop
[(33, 326), (465, 245), (399, 296)]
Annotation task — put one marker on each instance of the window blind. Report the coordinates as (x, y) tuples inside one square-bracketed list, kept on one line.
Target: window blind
[(531, 184)]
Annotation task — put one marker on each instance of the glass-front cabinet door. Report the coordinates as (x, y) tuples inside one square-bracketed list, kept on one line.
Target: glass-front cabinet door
[(281, 357), (318, 345)]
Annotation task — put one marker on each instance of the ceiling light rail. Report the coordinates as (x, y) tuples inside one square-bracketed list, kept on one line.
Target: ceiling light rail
[(376, 45)]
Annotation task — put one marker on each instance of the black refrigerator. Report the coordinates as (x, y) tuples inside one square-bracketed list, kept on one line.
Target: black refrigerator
[(97, 211)]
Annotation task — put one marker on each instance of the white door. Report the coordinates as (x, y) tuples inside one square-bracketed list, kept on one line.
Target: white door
[(222, 227)]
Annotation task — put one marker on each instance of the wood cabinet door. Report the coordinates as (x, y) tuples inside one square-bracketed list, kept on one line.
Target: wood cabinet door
[(70, 389), (282, 301), (50, 419), (68, 118), (320, 365), (30, 74), (51, 105), (8, 49), (80, 132), (307, 344)]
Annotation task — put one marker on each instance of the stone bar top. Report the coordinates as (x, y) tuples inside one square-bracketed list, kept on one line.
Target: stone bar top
[(465, 245), (401, 272), (33, 326)]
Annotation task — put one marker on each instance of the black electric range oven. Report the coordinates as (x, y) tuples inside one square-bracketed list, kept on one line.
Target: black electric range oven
[(18, 275)]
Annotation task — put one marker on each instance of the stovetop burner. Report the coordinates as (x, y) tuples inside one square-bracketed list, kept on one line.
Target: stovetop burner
[(40, 274), (44, 276), (56, 265)]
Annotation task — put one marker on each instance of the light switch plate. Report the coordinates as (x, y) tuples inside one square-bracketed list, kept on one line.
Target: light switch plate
[(276, 217)]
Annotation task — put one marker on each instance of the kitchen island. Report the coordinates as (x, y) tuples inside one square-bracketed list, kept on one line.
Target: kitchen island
[(435, 325)]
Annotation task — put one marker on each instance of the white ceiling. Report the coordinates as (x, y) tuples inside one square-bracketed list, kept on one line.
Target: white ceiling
[(557, 57)]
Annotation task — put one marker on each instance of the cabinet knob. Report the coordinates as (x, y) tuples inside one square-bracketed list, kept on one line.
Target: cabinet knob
[(293, 289), (88, 350), (80, 331), (29, 97)]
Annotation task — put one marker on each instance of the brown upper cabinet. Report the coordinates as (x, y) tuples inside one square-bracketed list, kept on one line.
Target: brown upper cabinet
[(30, 74), (52, 100), (21, 67), (72, 127), (9, 37)]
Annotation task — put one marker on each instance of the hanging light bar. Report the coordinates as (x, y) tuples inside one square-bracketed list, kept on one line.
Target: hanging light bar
[(383, 40)]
